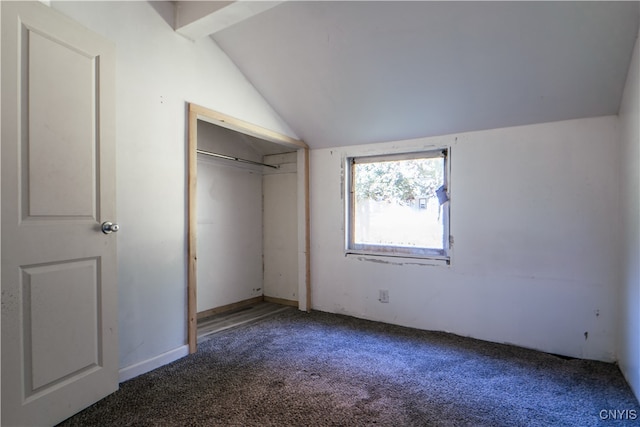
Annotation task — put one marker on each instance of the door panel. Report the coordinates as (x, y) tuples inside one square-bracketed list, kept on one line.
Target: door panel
[(60, 311), (60, 76), (59, 288)]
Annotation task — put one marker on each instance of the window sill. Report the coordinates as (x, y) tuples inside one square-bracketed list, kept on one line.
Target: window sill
[(399, 259)]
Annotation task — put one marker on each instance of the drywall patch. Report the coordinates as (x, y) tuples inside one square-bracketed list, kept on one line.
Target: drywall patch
[(379, 261), (426, 262)]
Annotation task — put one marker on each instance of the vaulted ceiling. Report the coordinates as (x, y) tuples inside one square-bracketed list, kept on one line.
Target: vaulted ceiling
[(343, 73)]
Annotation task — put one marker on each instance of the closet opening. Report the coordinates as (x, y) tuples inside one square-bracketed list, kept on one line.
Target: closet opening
[(248, 222)]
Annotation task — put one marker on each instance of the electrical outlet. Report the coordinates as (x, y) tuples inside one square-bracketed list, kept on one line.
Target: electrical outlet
[(383, 296)]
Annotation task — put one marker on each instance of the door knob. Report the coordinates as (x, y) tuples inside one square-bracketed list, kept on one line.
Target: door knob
[(109, 227)]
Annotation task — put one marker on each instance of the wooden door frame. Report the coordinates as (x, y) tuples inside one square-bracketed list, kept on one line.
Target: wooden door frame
[(195, 113)]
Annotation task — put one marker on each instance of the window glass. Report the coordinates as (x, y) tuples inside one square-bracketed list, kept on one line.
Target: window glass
[(399, 204)]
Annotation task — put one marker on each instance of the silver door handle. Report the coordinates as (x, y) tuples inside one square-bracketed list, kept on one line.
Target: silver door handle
[(109, 227)]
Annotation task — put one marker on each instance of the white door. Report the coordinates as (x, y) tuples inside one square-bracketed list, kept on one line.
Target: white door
[(59, 289)]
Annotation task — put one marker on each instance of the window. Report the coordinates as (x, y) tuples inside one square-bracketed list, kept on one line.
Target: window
[(398, 205)]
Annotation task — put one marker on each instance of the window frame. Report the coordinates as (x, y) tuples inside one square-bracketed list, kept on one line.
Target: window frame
[(351, 247)]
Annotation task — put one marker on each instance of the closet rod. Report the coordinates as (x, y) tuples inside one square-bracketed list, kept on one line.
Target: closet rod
[(222, 156)]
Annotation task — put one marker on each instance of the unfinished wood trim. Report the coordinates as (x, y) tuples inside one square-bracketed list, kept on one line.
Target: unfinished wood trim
[(192, 275), (281, 301), (307, 230), (229, 122), (195, 113), (230, 307)]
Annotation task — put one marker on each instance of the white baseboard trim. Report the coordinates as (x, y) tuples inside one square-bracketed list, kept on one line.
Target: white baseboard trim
[(150, 364)]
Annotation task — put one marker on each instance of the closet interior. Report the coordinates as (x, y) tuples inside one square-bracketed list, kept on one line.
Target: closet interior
[(247, 221)]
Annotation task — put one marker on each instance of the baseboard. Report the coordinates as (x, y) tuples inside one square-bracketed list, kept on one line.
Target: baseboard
[(153, 363), (281, 301), (229, 307)]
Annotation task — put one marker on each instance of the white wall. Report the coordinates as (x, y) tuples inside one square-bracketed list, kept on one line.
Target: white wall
[(534, 216), (229, 237), (229, 220), (158, 71), (629, 344), (281, 227)]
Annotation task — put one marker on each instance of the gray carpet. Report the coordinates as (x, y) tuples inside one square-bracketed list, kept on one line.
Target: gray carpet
[(319, 369)]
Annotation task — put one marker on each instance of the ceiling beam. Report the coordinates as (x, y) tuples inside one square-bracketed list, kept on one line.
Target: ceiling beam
[(197, 19)]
